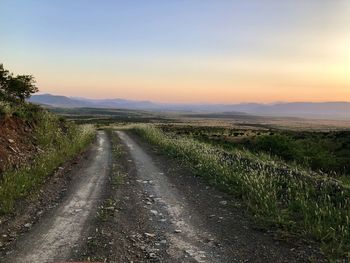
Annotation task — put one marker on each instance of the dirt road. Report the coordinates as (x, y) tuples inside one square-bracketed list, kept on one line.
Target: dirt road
[(197, 223), (158, 213), (63, 229)]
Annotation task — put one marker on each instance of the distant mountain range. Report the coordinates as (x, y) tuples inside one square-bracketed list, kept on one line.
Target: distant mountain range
[(72, 102), (328, 110)]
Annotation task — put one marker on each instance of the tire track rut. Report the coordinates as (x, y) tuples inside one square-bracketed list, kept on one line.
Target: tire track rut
[(62, 229)]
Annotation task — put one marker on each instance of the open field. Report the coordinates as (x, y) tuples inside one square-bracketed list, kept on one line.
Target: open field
[(120, 116), (108, 116)]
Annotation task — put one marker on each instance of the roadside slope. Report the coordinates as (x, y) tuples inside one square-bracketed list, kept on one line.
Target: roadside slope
[(63, 228)]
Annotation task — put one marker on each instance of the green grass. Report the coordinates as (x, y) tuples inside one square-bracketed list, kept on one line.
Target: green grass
[(116, 177), (59, 140), (24, 111), (326, 151), (291, 198)]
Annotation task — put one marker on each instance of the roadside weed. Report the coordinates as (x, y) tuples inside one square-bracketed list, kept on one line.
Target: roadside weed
[(289, 197), (59, 141)]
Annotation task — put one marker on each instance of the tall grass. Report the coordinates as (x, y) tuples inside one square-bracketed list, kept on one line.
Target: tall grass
[(59, 141), (291, 198)]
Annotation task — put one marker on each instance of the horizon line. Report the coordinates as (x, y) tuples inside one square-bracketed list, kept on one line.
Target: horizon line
[(190, 103)]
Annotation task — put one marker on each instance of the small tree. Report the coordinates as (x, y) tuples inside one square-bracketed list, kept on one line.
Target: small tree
[(16, 89), (4, 75), (21, 87)]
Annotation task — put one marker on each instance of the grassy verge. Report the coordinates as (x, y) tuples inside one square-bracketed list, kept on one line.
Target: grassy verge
[(291, 198), (326, 151), (59, 140)]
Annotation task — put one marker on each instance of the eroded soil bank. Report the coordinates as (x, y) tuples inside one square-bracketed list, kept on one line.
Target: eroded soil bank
[(17, 143)]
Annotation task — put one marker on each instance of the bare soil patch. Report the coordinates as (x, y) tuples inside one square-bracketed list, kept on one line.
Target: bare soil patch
[(17, 145)]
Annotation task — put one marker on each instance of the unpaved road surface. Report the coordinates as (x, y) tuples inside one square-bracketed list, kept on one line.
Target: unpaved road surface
[(191, 222), (141, 206), (62, 229)]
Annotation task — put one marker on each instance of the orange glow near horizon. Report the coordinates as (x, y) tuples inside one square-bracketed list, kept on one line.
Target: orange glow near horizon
[(211, 80), (212, 52)]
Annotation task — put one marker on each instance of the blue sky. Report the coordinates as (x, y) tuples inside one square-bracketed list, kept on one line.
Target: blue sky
[(160, 50)]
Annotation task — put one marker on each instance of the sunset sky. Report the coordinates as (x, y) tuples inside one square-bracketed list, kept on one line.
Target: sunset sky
[(213, 51)]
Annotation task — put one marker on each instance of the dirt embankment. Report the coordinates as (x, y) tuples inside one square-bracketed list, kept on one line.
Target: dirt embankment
[(17, 142)]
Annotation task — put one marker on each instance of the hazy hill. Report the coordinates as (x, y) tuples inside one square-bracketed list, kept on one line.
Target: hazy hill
[(58, 101), (63, 101), (331, 110)]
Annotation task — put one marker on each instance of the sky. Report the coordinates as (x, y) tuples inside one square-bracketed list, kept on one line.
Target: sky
[(190, 51)]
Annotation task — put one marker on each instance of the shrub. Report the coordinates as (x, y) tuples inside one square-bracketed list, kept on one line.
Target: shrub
[(280, 145), (15, 89)]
